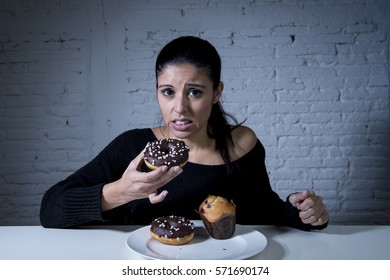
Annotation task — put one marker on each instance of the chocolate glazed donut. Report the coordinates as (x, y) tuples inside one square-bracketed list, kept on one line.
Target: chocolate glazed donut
[(172, 230), (170, 152)]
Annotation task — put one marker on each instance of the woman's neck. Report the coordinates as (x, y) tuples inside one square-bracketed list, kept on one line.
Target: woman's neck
[(202, 147)]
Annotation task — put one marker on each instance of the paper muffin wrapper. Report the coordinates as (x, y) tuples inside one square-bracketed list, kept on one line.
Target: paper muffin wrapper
[(223, 228)]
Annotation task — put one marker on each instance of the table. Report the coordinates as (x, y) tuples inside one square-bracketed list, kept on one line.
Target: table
[(108, 243)]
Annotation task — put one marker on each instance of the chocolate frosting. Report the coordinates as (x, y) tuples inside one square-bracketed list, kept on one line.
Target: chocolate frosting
[(170, 152), (172, 226)]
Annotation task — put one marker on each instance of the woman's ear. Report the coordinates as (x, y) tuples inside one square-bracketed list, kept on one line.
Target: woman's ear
[(218, 93)]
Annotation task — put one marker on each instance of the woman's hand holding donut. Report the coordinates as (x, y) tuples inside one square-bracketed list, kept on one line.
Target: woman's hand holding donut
[(311, 208), (135, 184)]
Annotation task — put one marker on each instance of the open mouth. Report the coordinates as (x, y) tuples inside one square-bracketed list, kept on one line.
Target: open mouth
[(181, 122), (181, 125)]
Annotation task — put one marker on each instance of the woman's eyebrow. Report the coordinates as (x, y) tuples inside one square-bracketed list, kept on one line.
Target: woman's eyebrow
[(165, 85), (195, 85), (188, 85)]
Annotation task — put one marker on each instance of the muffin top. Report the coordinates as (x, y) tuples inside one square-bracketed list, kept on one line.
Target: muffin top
[(213, 207)]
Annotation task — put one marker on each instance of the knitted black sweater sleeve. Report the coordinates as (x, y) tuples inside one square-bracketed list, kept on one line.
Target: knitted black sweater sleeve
[(258, 202), (76, 200)]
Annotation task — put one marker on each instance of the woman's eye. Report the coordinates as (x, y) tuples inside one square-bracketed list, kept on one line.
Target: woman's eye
[(194, 92), (167, 92)]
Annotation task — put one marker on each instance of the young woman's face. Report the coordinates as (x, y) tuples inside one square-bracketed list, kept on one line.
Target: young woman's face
[(185, 95)]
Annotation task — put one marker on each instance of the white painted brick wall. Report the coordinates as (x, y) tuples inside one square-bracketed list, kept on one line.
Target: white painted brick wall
[(311, 77)]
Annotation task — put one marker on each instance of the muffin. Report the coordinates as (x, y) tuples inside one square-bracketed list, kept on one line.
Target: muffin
[(218, 216)]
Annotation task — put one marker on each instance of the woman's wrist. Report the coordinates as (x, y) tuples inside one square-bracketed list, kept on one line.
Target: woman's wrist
[(111, 196)]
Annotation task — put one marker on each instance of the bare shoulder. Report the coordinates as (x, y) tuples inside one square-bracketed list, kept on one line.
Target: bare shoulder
[(244, 139)]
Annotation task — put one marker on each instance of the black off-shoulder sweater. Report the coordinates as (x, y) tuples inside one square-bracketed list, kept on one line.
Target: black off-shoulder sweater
[(77, 199)]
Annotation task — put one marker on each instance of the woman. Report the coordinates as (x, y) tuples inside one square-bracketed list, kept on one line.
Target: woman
[(225, 159)]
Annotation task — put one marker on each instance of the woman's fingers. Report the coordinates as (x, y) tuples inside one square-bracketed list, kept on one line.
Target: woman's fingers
[(156, 198)]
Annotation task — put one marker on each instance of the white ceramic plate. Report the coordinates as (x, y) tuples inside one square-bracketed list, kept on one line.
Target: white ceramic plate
[(245, 243)]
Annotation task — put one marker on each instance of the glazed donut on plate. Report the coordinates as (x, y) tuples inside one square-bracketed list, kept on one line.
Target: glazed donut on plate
[(172, 230), (170, 152)]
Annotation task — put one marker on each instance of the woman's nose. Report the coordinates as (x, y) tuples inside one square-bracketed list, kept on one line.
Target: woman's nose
[(180, 104)]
